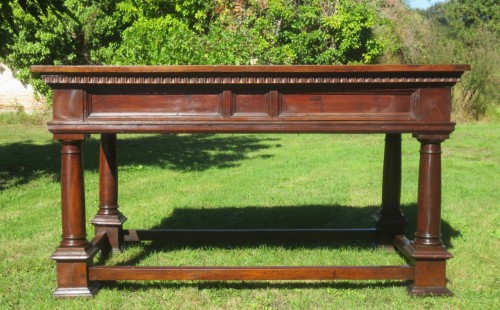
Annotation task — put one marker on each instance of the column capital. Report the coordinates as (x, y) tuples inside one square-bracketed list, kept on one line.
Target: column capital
[(71, 136), (431, 137)]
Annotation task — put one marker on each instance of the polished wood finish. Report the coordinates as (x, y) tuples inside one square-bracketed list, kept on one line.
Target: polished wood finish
[(430, 254), (109, 219), (383, 99), (75, 252), (357, 99), (390, 219), (102, 273)]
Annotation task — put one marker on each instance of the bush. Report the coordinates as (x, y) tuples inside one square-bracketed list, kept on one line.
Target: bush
[(131, 32), (467, 31), (457, 31)]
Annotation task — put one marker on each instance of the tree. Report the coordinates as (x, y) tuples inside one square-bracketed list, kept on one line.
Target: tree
[(473, 13), (35, 8)]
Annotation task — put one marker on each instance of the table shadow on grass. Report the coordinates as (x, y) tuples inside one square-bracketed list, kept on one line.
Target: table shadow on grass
[(278, 217), (23, 162)]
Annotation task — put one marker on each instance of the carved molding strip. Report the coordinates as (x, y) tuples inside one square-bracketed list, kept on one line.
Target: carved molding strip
[(62, 79)]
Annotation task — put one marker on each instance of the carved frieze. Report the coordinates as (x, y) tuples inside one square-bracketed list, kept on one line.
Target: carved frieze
[(211, 80)]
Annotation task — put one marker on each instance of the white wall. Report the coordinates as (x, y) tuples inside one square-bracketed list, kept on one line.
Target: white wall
[(13, 94)]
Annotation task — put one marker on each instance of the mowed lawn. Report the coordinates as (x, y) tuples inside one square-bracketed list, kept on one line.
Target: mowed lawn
[(249, 181)]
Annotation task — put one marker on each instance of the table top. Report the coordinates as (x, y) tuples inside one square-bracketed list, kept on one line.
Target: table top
[(459, 68)]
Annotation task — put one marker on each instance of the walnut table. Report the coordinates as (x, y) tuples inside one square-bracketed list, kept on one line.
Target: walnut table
[(378, 99)]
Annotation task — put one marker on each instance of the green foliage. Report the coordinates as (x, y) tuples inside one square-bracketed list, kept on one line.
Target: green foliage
[(272, 32), (160, 32), (354, 23), (36, 8), (60, 39), (455, 31), (468, 31), (464, 15)]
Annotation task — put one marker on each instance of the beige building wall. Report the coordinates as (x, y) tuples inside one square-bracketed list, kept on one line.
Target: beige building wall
[(14, 95)]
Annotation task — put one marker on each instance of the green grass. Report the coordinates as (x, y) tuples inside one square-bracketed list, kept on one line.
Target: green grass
[(228, 181)]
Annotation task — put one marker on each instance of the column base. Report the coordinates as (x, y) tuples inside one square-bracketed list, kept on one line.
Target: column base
[(388, 227), (66, 292), (72, 272), (430, 271), (428, 291), (112, 225)]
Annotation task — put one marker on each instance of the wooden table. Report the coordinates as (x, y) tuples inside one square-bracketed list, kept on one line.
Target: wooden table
[(378, 99)]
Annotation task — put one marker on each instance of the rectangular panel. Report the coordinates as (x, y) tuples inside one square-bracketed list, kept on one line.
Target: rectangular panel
[(347, 105), (159, 105), (432, 104), (251, 104), (68, 104)]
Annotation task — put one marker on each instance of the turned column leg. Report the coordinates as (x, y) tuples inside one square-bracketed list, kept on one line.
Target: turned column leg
[(390, 219), (109, 219), (430, 255), (74, 254)]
